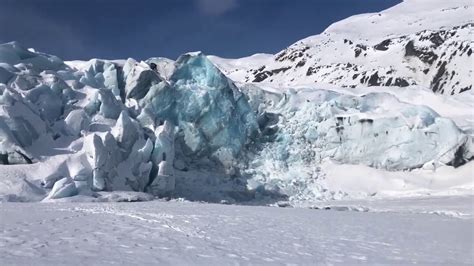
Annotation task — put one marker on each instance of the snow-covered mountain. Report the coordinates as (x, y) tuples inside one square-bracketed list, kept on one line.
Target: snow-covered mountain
[(264, 127), (418, 42)]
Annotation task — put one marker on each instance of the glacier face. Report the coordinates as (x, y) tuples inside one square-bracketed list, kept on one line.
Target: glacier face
[(183, 128), (306, 127), (122, 126)]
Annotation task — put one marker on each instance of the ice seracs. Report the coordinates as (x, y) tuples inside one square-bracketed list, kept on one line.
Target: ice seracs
[(374, 129), (113, 125), (212, 115), (163, 156), (138, 79)]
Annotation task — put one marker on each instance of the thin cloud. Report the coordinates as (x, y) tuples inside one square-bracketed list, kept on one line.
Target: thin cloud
[(215, 7)]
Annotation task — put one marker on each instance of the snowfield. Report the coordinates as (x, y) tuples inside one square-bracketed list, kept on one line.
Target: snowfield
[(423, 231)]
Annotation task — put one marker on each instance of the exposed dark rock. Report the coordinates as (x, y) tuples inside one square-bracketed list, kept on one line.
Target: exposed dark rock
[(452, 74), (301, 63), (291, 54), (374, 80), (366, 120), (459, 157), (465, 89), (310, 71), (436, 84), (265, 74), (361, 46), (434, 37), (261, 76), (424, 55), (383, 46), (399, 82)]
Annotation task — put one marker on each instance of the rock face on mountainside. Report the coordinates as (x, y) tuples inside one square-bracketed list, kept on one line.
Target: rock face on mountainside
[(427, 43)]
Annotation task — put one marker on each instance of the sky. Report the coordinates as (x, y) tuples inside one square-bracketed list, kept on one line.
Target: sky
[(115, 29)]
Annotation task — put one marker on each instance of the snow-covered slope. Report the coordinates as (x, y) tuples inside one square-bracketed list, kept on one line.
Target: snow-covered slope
[(418, 42)]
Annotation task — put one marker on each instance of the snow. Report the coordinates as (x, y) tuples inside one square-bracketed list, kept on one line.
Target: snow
[(13, 53), (164, 66), (360, 181), (412, 231), (375, 145), (410, 16), (236, 68), (417, 42)]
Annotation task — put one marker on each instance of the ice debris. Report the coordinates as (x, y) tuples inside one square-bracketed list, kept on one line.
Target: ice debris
[(63, 188)]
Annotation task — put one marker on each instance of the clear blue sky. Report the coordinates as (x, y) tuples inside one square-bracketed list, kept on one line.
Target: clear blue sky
[(83, 29)]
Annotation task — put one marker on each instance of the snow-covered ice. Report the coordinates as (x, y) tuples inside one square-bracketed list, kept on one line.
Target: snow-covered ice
[(183, 233)]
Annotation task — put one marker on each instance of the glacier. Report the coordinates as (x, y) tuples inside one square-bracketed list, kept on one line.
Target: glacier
[(307, 127), (183, 128)]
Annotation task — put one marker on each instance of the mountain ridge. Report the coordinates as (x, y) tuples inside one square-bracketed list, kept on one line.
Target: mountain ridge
[(425, 49)]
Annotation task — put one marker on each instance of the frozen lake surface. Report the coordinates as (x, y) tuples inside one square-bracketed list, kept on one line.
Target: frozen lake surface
[(421, 230)]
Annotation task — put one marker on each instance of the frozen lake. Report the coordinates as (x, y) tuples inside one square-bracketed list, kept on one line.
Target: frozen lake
[(422, 231)]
